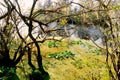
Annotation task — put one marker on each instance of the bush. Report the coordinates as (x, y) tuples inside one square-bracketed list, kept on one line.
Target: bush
[(7, 73), (53, 43), (61, 55)]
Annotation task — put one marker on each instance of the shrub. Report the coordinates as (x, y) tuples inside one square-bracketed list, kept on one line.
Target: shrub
[(53, 43), (61, 55)]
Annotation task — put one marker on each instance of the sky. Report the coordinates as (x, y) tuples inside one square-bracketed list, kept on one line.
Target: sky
[(26, 4)]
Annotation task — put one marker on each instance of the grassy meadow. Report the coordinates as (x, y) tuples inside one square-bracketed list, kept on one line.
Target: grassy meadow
[(69, 60)]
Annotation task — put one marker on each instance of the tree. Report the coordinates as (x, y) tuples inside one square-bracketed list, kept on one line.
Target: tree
[(111, 37), (12, 18), (12, 42)]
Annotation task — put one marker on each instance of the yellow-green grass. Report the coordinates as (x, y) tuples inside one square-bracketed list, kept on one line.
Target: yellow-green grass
[(85, 65)]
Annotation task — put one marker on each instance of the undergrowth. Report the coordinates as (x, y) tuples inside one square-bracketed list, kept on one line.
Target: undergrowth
[(74, 60), (62, 55)]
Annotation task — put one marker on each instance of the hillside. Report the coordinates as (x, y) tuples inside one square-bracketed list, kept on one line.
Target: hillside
[(73, 60)]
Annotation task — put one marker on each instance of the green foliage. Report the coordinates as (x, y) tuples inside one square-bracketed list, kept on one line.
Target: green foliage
[(7, 73), (116, 7), (14, 44), (63, 22), (10, 76), (9, 26), (97, 51), (82, 44), (9, 70), (53, 43), (92, 16), (62, 55), (76, 42)]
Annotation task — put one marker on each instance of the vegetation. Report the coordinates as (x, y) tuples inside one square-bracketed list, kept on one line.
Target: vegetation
[(62, 55), (39, 55), (73, 62)]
